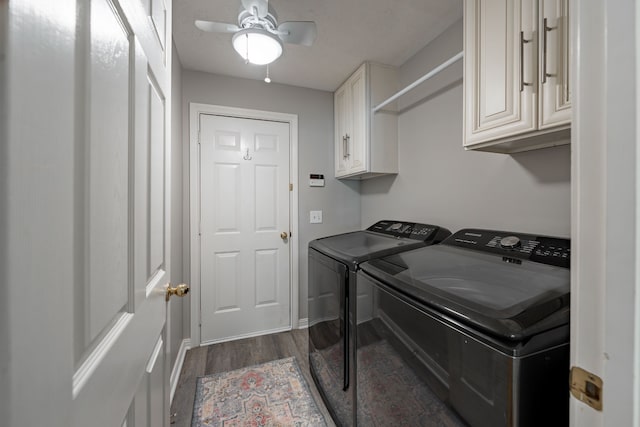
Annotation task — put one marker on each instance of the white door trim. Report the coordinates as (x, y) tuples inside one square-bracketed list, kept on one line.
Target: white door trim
[(605, 188), (195, 109)]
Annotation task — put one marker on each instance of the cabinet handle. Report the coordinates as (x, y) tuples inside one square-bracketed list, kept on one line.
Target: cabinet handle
[(544, 55), (344, 147), (347, 146), (522, 42)]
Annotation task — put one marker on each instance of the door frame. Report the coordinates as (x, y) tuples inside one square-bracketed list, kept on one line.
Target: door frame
[(605, 220), (195, 110)]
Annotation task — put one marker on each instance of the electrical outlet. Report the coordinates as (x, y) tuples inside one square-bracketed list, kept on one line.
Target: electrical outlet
[(315, 217)]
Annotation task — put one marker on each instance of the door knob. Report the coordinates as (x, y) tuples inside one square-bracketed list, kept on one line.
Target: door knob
[(181, 290), (284, 235)]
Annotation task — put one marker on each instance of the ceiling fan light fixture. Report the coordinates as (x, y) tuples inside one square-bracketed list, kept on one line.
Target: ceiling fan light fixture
[(257, 46)]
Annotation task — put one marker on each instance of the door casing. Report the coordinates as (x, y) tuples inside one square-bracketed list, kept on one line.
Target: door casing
[(605, 210), (195, 109)]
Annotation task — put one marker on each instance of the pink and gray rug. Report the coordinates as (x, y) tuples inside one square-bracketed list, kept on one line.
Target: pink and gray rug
[(271, 394)]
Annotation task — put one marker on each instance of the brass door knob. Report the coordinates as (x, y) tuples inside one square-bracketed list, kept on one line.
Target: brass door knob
[(181, 290), (284, 235)]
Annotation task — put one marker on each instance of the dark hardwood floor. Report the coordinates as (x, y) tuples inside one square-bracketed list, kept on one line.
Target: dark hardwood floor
[(232, 355)]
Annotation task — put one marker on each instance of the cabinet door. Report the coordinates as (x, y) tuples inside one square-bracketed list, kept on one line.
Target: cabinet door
[(554, 105), (341, 118), (357, 140), (500, 69)]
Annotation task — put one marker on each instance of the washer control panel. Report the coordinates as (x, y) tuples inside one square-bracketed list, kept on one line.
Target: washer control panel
[(515, 247), (510, 242), (409, 230)]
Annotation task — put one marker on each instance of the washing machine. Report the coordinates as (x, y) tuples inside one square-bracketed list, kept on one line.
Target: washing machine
[(333, 291), (473, 331)]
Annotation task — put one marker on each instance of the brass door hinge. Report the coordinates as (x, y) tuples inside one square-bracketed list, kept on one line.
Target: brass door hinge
[(290, 187), (586, 387)]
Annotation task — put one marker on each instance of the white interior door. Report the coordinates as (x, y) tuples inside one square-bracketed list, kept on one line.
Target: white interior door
[(120, 313), (94, 157), (244, 198)]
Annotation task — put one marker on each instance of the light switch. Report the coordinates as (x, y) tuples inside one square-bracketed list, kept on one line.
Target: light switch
[(315, 217)]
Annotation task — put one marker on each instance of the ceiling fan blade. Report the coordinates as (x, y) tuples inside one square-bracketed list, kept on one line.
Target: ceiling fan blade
[(298, 32), (261, 6), (216, 27)]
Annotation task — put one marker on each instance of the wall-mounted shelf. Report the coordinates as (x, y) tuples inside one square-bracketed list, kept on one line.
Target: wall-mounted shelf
[(421, 80)]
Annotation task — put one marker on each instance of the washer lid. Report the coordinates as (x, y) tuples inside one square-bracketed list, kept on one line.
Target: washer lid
[(383, 238), (360, 246), (508, 300)]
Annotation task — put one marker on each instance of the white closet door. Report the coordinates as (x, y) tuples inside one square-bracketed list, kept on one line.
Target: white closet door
[(244, 188)]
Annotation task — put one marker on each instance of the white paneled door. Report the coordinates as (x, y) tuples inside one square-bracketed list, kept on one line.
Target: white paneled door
[(87, 219), (244, 226), (120, 310)]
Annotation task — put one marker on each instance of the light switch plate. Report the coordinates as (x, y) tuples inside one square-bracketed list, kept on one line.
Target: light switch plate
[(315, 217)]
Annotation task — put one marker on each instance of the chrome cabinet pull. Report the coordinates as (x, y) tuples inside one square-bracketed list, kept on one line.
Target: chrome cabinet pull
[(347, 146), (522, 42), (344, 147), (544, 55)]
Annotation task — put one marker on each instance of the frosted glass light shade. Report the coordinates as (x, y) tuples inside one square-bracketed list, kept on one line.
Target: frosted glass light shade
[(257, 46)]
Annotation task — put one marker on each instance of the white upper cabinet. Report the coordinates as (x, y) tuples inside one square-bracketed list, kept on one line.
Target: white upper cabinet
[(554, 108), (366, 143), (516, 73)]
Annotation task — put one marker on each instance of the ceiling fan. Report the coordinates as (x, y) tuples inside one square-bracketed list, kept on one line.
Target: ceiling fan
[(258, 38)]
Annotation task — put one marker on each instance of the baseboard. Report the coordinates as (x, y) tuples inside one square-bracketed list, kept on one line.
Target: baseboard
[(177, 367), (249, 335), (303, 323)]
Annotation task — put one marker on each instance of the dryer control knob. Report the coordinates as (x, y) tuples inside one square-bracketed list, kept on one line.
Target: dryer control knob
[(395, 226), (510, 242)]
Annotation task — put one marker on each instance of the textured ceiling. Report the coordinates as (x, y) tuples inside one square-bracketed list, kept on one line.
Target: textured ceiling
[(349, 32)]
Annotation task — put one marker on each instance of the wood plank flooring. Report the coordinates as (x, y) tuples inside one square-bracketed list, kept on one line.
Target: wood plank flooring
[(232, 355)]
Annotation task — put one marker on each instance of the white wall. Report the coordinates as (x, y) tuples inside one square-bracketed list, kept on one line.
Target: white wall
[(442, 184), (338, 200)]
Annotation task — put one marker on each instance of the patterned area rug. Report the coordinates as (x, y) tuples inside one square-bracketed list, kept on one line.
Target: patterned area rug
[(271, 394)]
